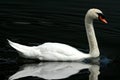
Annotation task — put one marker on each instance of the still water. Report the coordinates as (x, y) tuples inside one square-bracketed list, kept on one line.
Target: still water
[(33, 22), (60, 70)]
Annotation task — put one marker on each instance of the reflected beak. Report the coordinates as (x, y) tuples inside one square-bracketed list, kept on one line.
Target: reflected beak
[(103, 19)]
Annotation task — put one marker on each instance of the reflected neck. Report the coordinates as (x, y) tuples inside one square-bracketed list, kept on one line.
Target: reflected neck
[(94, 72), (94, 50)]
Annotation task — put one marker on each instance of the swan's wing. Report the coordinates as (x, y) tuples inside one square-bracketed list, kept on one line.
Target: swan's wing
[(58, 51), (59, 48)]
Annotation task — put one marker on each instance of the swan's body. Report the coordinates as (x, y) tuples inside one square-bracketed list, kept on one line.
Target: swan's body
[(62, 52), (50, 51)]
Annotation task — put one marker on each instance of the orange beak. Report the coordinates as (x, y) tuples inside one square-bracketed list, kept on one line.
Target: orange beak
[(103, 19)]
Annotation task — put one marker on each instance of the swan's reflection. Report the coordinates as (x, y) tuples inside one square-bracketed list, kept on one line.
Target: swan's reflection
[(56, 70)]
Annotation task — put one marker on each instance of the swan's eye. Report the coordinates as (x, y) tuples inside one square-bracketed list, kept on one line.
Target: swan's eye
[(101, 15), (102, 18)]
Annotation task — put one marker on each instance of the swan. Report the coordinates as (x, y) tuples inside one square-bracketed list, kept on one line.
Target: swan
[(50, 51)]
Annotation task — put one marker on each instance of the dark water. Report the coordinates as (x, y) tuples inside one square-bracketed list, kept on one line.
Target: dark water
[(33, 22)]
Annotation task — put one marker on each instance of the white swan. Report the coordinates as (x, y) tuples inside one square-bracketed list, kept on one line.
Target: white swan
[(61, 52)]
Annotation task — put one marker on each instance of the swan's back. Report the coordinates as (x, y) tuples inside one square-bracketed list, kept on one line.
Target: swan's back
[(59, 51), (59, 47)]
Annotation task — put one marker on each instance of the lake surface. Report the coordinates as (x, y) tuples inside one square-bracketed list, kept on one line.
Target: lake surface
[(33, 22)]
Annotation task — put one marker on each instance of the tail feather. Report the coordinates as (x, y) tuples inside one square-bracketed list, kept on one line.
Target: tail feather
[(18, 47), (25, 51)]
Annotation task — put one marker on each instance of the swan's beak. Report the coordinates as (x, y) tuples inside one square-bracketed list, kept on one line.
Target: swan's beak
[(102, 19)]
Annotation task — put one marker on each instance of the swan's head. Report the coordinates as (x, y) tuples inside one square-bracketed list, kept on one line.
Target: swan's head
[(96, 14)]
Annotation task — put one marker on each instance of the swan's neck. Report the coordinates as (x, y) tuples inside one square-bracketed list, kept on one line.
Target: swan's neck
[(94, 50)]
